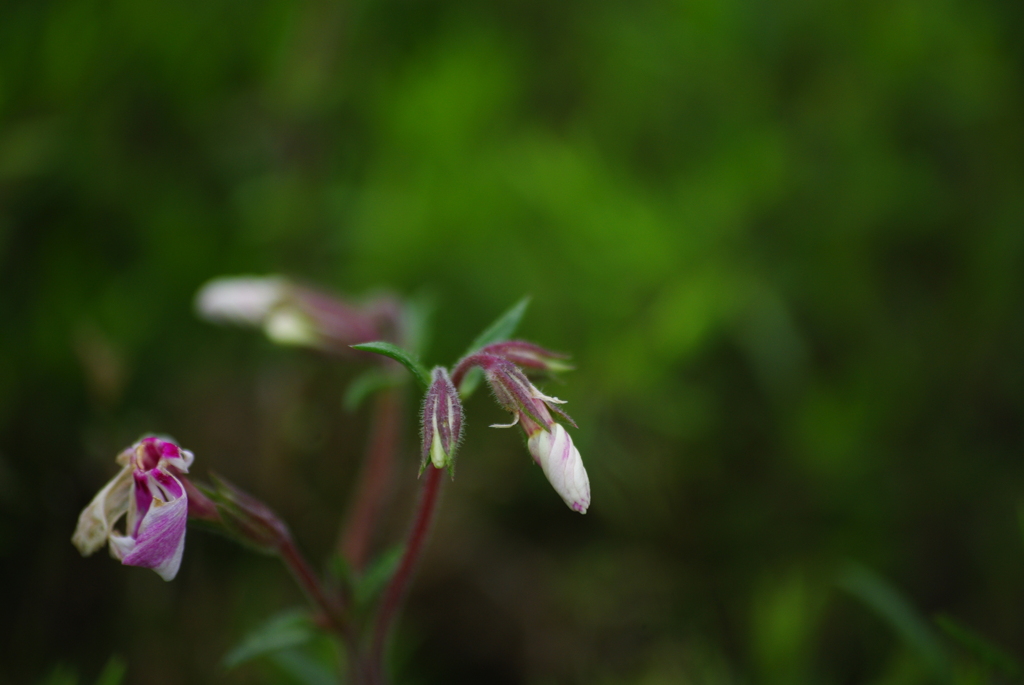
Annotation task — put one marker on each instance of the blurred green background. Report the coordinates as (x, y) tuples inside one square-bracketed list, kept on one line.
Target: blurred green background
[(784, 242)]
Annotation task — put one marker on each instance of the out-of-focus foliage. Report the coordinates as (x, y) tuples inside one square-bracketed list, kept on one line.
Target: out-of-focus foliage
[(784, 241)]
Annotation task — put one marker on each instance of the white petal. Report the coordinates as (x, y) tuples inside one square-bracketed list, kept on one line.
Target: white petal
[(288, 326), (515, 420), (243, 300), (437, 455), (97, 519), (562, 464), (121, 546)]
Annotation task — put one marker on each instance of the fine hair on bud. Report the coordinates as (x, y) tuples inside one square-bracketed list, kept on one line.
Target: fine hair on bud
[(441, 422)]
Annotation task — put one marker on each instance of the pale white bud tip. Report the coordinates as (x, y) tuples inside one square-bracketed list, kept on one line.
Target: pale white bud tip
[(290, 327), (562, 464), (437, 454), (244, 300)]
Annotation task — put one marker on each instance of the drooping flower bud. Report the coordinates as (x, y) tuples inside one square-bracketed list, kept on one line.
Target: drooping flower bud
[(290, 314), (441, 424), (247, 519), (149, 489), (547, 440), (562, 464)]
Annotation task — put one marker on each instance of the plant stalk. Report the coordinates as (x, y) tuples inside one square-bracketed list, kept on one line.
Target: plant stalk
[(397, 587), (374, 482)]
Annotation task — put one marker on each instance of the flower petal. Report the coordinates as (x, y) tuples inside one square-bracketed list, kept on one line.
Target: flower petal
[(97, 519), (161, 539), (562, 464), (243, 300)]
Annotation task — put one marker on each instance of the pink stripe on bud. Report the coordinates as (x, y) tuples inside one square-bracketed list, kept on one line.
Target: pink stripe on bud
[(563, 466)]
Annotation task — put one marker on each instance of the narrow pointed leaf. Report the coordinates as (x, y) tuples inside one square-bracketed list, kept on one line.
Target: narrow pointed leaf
[(113, 673), (302, 668), (401, 356), (283, 631), (365, 385), (503, 328), (894, 608), (377, 575), (470, 382), (987, 653)]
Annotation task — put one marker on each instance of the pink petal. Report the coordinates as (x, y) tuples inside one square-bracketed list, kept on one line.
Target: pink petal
[(161, 539)]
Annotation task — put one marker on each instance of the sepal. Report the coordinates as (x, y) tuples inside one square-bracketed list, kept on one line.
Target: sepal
[(247, 519), (441, 422)]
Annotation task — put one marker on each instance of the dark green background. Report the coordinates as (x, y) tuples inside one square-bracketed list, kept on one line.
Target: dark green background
[(783, 240)]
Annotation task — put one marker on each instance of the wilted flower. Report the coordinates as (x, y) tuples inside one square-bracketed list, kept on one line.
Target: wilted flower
[(149, 491), (441, 422), (290, 314)]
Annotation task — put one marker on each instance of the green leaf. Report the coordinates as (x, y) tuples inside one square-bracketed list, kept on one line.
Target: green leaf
[(339, 570), (503, 328), (113, 673), (889, 604), (289, 629), (418, 312), (365, 385), (401, 356), (303, 668), (987, 653), (61, 675), (377, 574), (470, 382)]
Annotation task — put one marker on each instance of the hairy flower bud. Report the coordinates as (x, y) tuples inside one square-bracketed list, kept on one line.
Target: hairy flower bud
[(249, 520), (442, 421), (547, 440), (529, 355), (516, 394)]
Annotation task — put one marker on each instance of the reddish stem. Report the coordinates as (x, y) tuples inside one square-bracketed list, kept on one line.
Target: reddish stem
[(399, 584), (466, 363), (330, 608), (310, 583), (374, 479)]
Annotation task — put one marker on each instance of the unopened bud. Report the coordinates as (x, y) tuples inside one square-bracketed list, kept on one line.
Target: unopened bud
[(249, 520), (561, 462), (442, 421), (290, 314)]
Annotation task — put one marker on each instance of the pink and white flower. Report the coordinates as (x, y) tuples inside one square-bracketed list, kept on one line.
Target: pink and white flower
[(150, 491), (562, 464)]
